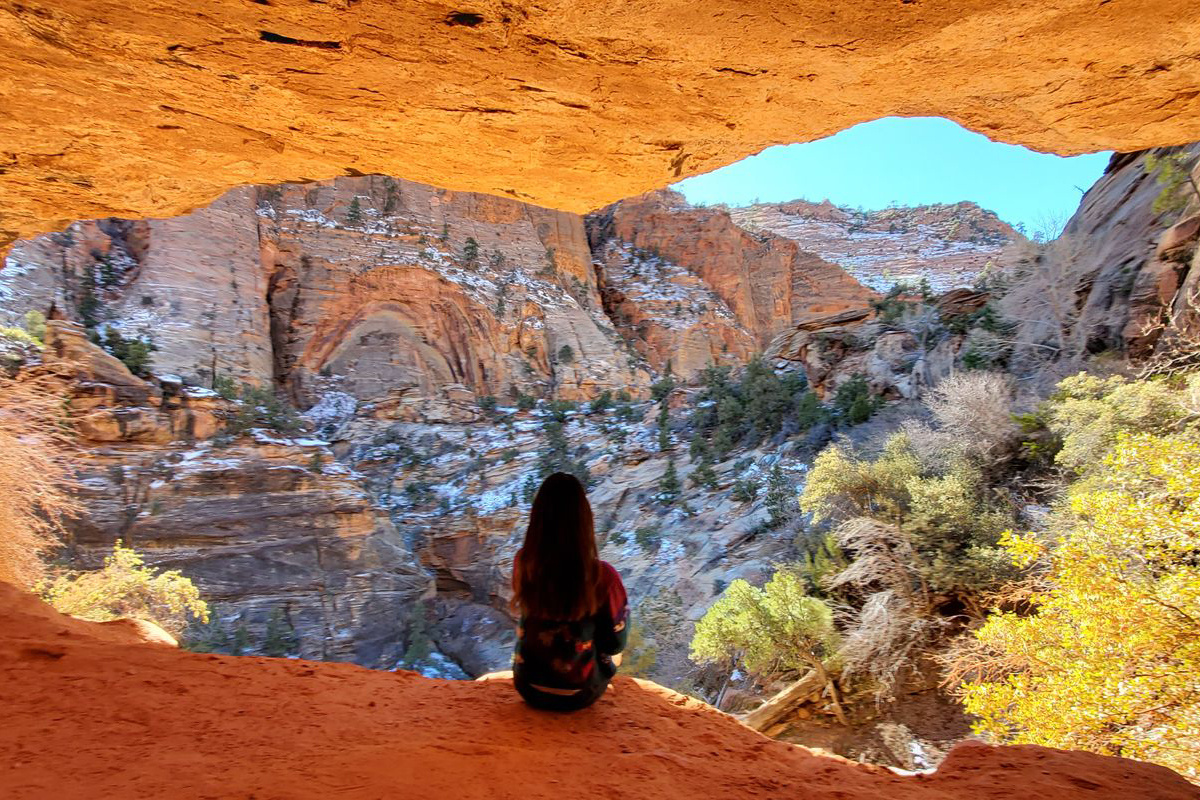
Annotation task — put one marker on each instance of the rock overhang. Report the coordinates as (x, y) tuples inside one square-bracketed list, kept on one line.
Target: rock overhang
[(113, 110)]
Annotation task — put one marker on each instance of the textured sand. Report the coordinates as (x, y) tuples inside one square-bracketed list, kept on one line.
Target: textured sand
[(110, 717)]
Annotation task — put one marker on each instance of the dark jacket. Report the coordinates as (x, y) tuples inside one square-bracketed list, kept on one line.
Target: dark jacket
[(573, 659)]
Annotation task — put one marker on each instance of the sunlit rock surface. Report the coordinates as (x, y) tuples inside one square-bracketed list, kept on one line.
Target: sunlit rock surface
[(133, 111), (142, 720)]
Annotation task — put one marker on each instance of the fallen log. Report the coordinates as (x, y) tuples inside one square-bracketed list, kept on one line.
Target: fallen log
[(784, 701)]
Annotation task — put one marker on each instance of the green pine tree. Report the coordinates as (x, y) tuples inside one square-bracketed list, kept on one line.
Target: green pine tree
[(668, 484), (471, 251), (354, 214)]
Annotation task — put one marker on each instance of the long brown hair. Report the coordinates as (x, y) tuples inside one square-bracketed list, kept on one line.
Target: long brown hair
[(556, 574)]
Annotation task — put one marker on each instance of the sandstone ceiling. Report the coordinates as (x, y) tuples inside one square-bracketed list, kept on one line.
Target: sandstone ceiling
[(112, 108)]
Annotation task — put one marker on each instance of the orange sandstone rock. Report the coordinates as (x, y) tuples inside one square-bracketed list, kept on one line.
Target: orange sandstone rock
[(88, 717), (113, 109)]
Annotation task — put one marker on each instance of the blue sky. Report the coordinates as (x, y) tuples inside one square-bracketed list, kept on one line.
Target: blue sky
[(911, 161)]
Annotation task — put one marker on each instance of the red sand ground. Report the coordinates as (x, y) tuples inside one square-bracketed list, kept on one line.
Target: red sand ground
[(88, 712)]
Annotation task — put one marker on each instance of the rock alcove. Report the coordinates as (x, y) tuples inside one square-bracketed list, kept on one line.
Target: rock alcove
[(119, 111)]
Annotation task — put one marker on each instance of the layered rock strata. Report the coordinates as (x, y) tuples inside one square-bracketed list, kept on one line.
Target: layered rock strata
[(755, 286), (946, 246)]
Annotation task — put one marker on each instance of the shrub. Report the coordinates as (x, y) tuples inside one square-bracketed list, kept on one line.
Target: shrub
[(34, 324), (1107, 661), (779, 623), (259, 406), (566, 355), (744, 490), (641, 654), (280, 638), (916, 541), (34, 476), (601, 402), (134, 353), (16, 348), (125, 587), (822, 560), (893, 305), (1088, 412), (419, 492), (226, 387), (974, 420), (487, 403), (854, 402), (1174, 173), (648, 537)]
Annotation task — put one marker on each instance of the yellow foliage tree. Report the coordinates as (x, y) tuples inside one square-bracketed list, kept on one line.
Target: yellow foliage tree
[(1110, 660), (125, 587)]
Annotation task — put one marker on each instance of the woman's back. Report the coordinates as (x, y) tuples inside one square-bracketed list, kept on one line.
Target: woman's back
[(574, 655), (572, 605)]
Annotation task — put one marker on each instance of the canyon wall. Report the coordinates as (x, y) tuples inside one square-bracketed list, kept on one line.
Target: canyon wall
[(948, 245), (423, 333), (757, 285)]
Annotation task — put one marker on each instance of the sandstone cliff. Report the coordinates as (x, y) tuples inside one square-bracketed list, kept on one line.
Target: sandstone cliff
[(89, 713), (414, 293), (752, 286), (157, 110), (948, 246), (273, 529)]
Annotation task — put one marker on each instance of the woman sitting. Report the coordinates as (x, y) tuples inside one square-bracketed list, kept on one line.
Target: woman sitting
[(572, 605)]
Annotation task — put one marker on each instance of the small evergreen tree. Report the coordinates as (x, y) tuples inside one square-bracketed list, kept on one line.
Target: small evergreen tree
[(664, 428), (601, 402), (108, 272), (471, 251), (780, 500), (664, 385), (88, 304), (703, 474), (280, 638), (1174, 173), (354, 214), (566, 355), (668, 484)]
